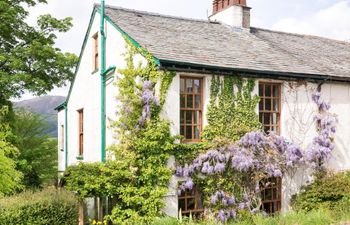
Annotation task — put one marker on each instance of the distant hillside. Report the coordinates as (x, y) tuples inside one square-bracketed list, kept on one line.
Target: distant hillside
[(45, 106)]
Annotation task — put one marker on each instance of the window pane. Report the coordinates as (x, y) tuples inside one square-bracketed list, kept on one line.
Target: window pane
[(261, 104), (268, 104), (182, 101), (188, 117), (275, 105), (190, 101), (189, 85), (196, 117), (276, 90), (191, 204), (274, 119), (267, 90), (261, 116), (182, 116), (182, 130), (267, 129), (182, 204), (189, 132), (196, 132), (182, 85), (197, 86), (198, 101), (267, 119)]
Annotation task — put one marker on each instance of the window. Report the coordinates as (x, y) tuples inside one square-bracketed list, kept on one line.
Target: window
[(270, 106), (61, 146), (271, 190), (81, 131), (95, 52), (190, 202), (191, 105)]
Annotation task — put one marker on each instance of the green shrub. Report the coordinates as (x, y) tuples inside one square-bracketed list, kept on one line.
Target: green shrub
[(314, 217), (330, 191), (49, 206)]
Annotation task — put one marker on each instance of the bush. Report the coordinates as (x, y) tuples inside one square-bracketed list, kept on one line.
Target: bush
[(315, 217), (49, 206), (330, 191)]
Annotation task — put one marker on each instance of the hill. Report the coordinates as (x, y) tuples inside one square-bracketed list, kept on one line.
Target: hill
[(45, 106)]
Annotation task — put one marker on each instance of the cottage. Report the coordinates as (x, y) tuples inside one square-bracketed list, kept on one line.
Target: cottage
[(287, 67)]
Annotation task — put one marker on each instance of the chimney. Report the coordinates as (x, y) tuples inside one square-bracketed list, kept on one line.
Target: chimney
[(234, 13)]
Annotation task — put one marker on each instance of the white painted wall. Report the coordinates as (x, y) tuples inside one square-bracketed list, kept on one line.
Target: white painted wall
[(86, 94)]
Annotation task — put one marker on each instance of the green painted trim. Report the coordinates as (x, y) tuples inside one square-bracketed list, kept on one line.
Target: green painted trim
[(103, 87), (80, 157), (82, 51), (110, 69), (61, 106), (133, 41), (66, 134)]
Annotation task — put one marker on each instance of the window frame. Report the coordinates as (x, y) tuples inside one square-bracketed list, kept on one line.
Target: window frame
[(273, 189), (188, 197), (263, 112), (193, 109), (95, 54), (80, 132)]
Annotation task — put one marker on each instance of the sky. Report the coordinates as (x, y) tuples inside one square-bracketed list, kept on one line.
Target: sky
[(327, 18)]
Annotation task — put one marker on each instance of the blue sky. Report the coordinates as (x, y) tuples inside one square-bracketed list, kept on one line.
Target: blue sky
[(328, 18)]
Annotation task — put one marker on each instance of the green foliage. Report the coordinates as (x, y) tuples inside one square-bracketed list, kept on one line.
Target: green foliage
[(50, 206), (34, 147), (10, 178), (231, 113), (330, 191), (28, 58), (316, 217)]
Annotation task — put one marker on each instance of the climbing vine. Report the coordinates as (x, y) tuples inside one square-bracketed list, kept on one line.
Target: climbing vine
[(231, 113), (136, 174)]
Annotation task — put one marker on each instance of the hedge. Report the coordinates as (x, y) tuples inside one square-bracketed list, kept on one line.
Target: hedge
[(50, 206), (327, 191)]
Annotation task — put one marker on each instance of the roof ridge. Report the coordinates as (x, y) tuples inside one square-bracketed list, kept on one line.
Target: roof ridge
[(152, 13), (301, 35)]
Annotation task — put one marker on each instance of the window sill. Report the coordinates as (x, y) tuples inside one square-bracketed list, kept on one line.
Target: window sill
[(95, 71), (80, 157)]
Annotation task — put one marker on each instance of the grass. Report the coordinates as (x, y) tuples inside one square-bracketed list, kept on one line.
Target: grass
[(317, 217)]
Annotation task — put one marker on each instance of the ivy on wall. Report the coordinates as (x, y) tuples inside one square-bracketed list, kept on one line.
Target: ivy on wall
[(231, 113)]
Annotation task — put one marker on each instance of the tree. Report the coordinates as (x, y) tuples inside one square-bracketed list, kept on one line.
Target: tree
[(37, 158), (10, 178), (28, 59)]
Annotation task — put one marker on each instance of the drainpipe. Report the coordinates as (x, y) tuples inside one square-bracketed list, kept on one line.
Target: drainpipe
[(103, 88), (66, 135)]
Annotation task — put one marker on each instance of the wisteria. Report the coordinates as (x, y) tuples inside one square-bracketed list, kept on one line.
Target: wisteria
[(255, 157), (148, 99), (322, 144)]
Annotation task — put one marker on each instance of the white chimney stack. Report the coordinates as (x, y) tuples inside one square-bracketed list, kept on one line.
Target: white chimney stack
[(234, 13)]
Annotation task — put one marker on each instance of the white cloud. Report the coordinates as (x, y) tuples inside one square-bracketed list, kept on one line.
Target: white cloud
[(332, 22)]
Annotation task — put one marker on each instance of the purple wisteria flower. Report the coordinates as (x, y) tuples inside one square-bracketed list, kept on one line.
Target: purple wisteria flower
[(322, 144), (148, 100)]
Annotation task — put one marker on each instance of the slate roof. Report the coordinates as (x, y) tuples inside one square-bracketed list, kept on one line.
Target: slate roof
[(200, 42)]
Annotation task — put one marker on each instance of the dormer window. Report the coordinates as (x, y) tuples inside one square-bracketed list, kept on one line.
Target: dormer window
[(95, 55)]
